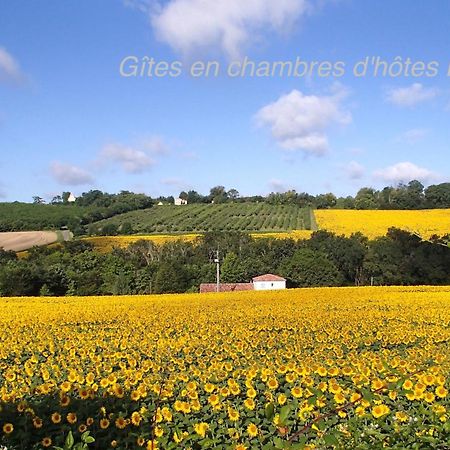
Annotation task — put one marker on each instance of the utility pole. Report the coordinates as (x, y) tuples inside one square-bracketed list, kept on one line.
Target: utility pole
[(217, 261)]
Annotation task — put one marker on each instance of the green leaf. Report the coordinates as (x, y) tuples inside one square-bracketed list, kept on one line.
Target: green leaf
[(269, 411), (331, 439), (284, 413), (69, 440)]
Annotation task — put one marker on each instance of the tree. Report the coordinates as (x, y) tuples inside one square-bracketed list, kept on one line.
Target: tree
[(126, 228), (345, 202), (6, 255), (56, 200), (218, 194), (170, 278), (195, 197), (56, 280), (325, 201), (232, 270), (65, 197), (438, 196), (366, 198), (110, 229), (408, 196), (401, 258), (310, 268), (18, 278), (233, 194), (38, 200), (346, 253)]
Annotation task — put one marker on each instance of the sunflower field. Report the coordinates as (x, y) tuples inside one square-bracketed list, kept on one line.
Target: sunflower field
[(104, 244), (376, 223), (343, 368)]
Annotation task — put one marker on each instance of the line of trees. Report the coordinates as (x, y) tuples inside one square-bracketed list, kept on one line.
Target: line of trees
[(326, 259), (412, 195)]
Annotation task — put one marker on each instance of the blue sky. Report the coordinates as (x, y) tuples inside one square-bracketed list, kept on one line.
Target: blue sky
[(70, 122)]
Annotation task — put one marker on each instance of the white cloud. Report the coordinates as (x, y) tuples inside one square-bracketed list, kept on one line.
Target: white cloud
[(190, 26), (413, 136), (9, 68), (130, 159), (411, 96), (69, 174), (354, 170), (299, 122), (403, 172)]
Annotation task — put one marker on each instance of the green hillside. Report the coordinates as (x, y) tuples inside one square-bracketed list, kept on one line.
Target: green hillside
[(249, 217), (18, 216)]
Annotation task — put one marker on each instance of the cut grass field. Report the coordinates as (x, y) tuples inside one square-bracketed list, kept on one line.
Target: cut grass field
[(24, 240), (200, 218)]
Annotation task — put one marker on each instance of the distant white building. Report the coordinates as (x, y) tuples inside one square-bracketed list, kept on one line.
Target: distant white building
[(269, 282), (160, 203), (71, 198), (266, 282), (180, 201)]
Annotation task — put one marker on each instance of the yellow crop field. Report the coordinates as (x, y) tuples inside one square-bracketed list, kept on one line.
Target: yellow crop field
[(295, 234), (320, 368), (105, 244), (373, 224)]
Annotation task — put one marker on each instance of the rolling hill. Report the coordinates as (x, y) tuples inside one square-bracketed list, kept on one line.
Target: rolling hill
[(200, 218)]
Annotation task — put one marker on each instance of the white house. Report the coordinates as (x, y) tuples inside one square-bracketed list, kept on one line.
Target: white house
[(71, 198), (180, 201), (269, 282)]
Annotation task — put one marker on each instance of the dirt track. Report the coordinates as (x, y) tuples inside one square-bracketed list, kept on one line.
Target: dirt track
[(24, 240)]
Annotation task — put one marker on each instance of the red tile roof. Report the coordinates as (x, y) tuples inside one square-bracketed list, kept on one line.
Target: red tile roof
[(225, 287), (269, 277)]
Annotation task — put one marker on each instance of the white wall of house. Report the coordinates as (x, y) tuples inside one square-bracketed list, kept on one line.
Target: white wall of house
[(180, 201), (269, 285)]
